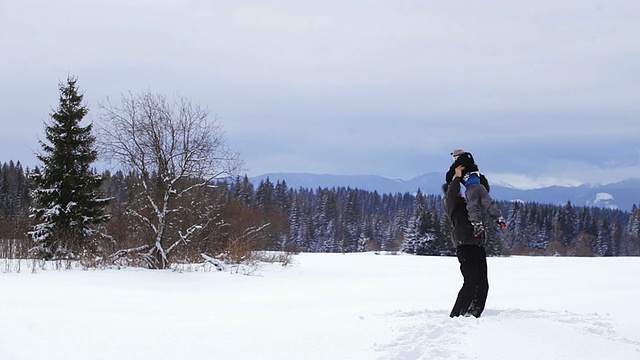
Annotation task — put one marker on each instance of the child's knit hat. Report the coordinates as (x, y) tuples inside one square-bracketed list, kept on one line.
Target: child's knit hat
[(457, 152)]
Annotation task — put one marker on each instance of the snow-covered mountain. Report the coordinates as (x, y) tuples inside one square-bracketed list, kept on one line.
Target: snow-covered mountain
[(622, 195)]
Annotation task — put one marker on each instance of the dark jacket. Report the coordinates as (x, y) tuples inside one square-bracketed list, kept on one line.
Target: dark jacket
[(466, 160), (456, 210)]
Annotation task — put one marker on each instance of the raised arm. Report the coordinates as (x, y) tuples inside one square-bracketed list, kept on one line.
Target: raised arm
[(452, 195)]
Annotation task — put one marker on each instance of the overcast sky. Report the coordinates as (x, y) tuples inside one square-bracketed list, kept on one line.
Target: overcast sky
[(541, 92)]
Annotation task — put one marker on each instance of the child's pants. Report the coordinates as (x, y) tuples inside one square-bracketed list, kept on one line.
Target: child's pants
[(478, 199)]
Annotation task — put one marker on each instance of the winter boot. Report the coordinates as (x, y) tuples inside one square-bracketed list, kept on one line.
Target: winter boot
[(478, 228), (502, 223), (475, 312)]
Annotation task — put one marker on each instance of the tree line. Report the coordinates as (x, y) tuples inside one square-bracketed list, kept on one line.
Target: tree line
[(349, 220), (177, 198), (272, 216)]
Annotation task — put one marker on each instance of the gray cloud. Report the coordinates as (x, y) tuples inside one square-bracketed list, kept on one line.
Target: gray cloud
[(533, 88)]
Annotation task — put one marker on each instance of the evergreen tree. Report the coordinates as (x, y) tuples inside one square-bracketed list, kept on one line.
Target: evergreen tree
[(567, 219), (243, 191), (282, 197), (14, 196), (265, 195), (632, 245), (297, 221), (514, 231), (411, 235), (604, 241), (443, 238), (67, 204), (326, 222), (493, 245), (394, 235), (538, 226), (352, 222), (633, 226)]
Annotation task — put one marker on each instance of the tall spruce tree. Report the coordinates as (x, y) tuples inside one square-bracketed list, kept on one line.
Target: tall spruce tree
[(67, 203)]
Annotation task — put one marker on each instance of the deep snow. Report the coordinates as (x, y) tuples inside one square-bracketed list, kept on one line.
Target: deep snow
[(326, 306)]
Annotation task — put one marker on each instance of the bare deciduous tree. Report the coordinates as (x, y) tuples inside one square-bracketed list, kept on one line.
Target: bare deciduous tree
[(175, 150)]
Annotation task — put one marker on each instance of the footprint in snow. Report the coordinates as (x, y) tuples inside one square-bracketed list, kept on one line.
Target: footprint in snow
[(430, 334)]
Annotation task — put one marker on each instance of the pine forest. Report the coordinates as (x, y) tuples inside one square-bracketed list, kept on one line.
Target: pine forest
[(275, 217)]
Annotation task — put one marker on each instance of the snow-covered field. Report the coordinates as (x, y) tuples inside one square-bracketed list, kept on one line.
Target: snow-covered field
[(326, 306)]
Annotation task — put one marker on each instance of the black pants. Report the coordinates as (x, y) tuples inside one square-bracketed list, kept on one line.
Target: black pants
[(473, 294)]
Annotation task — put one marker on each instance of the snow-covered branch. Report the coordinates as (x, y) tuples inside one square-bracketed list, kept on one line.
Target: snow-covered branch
[(174, 149)]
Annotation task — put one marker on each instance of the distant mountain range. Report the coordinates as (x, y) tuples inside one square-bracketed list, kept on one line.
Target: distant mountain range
[(622, 195)]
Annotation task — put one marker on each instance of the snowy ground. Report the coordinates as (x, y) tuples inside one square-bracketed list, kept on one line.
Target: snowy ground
[(326, 306)]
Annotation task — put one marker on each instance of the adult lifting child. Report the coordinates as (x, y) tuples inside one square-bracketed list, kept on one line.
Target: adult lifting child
[(476, 190)]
